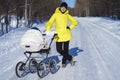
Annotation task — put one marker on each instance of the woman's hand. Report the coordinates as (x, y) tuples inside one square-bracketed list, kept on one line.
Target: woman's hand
[(68, 27)]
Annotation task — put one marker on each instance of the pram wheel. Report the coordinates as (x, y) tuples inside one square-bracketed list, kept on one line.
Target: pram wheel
[(53, 66), (33, 65), (41, 69), (20, 69)]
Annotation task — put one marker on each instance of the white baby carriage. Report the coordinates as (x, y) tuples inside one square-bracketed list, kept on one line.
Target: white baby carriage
[(34, 43)]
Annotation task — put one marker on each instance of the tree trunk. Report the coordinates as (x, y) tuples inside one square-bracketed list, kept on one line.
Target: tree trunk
[(26, 12)]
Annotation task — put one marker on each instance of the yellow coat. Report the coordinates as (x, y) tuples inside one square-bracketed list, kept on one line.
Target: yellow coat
[(61, 21)]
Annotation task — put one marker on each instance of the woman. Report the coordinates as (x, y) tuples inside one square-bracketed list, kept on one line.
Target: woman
[(61, 17)]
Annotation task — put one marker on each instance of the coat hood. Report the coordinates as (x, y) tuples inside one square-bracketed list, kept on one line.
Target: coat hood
[(58, 11)]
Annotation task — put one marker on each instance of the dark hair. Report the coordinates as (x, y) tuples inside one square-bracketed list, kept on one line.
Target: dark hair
[(64, 4)]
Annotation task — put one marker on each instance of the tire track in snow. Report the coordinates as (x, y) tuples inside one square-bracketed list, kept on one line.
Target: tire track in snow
[(106, 55), (102, 70)]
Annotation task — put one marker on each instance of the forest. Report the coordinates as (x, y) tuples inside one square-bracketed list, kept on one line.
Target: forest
[(44, 8)]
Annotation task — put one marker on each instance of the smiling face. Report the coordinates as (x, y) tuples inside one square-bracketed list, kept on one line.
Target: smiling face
[(63, 9)]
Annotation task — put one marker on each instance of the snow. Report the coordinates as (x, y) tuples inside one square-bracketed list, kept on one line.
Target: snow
[(95, 45)]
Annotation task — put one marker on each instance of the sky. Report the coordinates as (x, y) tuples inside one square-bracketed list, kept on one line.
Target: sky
[(71, 3)]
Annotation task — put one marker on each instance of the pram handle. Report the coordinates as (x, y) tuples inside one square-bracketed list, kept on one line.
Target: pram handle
[(54, 35), (52, 39), (44, 34)]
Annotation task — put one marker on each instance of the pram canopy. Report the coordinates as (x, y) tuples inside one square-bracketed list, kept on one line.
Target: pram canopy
[(32, 40)]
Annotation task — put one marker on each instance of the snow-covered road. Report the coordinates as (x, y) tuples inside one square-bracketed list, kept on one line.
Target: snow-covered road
[(96, 51), (100, 58)]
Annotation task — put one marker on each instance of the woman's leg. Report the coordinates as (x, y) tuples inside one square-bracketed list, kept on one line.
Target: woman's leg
[(59, 47), (66, 52), (63, 49)]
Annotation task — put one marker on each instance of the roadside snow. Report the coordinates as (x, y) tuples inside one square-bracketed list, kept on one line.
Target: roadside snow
[(95, 45)]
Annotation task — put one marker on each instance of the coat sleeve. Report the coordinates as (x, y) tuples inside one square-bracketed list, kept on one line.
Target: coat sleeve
[(50, 22), (74, 22)]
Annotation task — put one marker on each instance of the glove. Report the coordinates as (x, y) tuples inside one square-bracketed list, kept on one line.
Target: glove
[(47, 33), (68, 27)]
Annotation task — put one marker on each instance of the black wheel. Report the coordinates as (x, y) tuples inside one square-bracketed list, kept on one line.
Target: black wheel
[(41, 69), (20, 69), (33, 65), (53, 66)]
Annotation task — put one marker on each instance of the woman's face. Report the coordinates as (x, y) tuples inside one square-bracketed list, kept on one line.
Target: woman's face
[(63, 9)]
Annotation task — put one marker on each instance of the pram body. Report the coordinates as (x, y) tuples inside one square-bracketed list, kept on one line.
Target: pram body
[(33, 41)]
